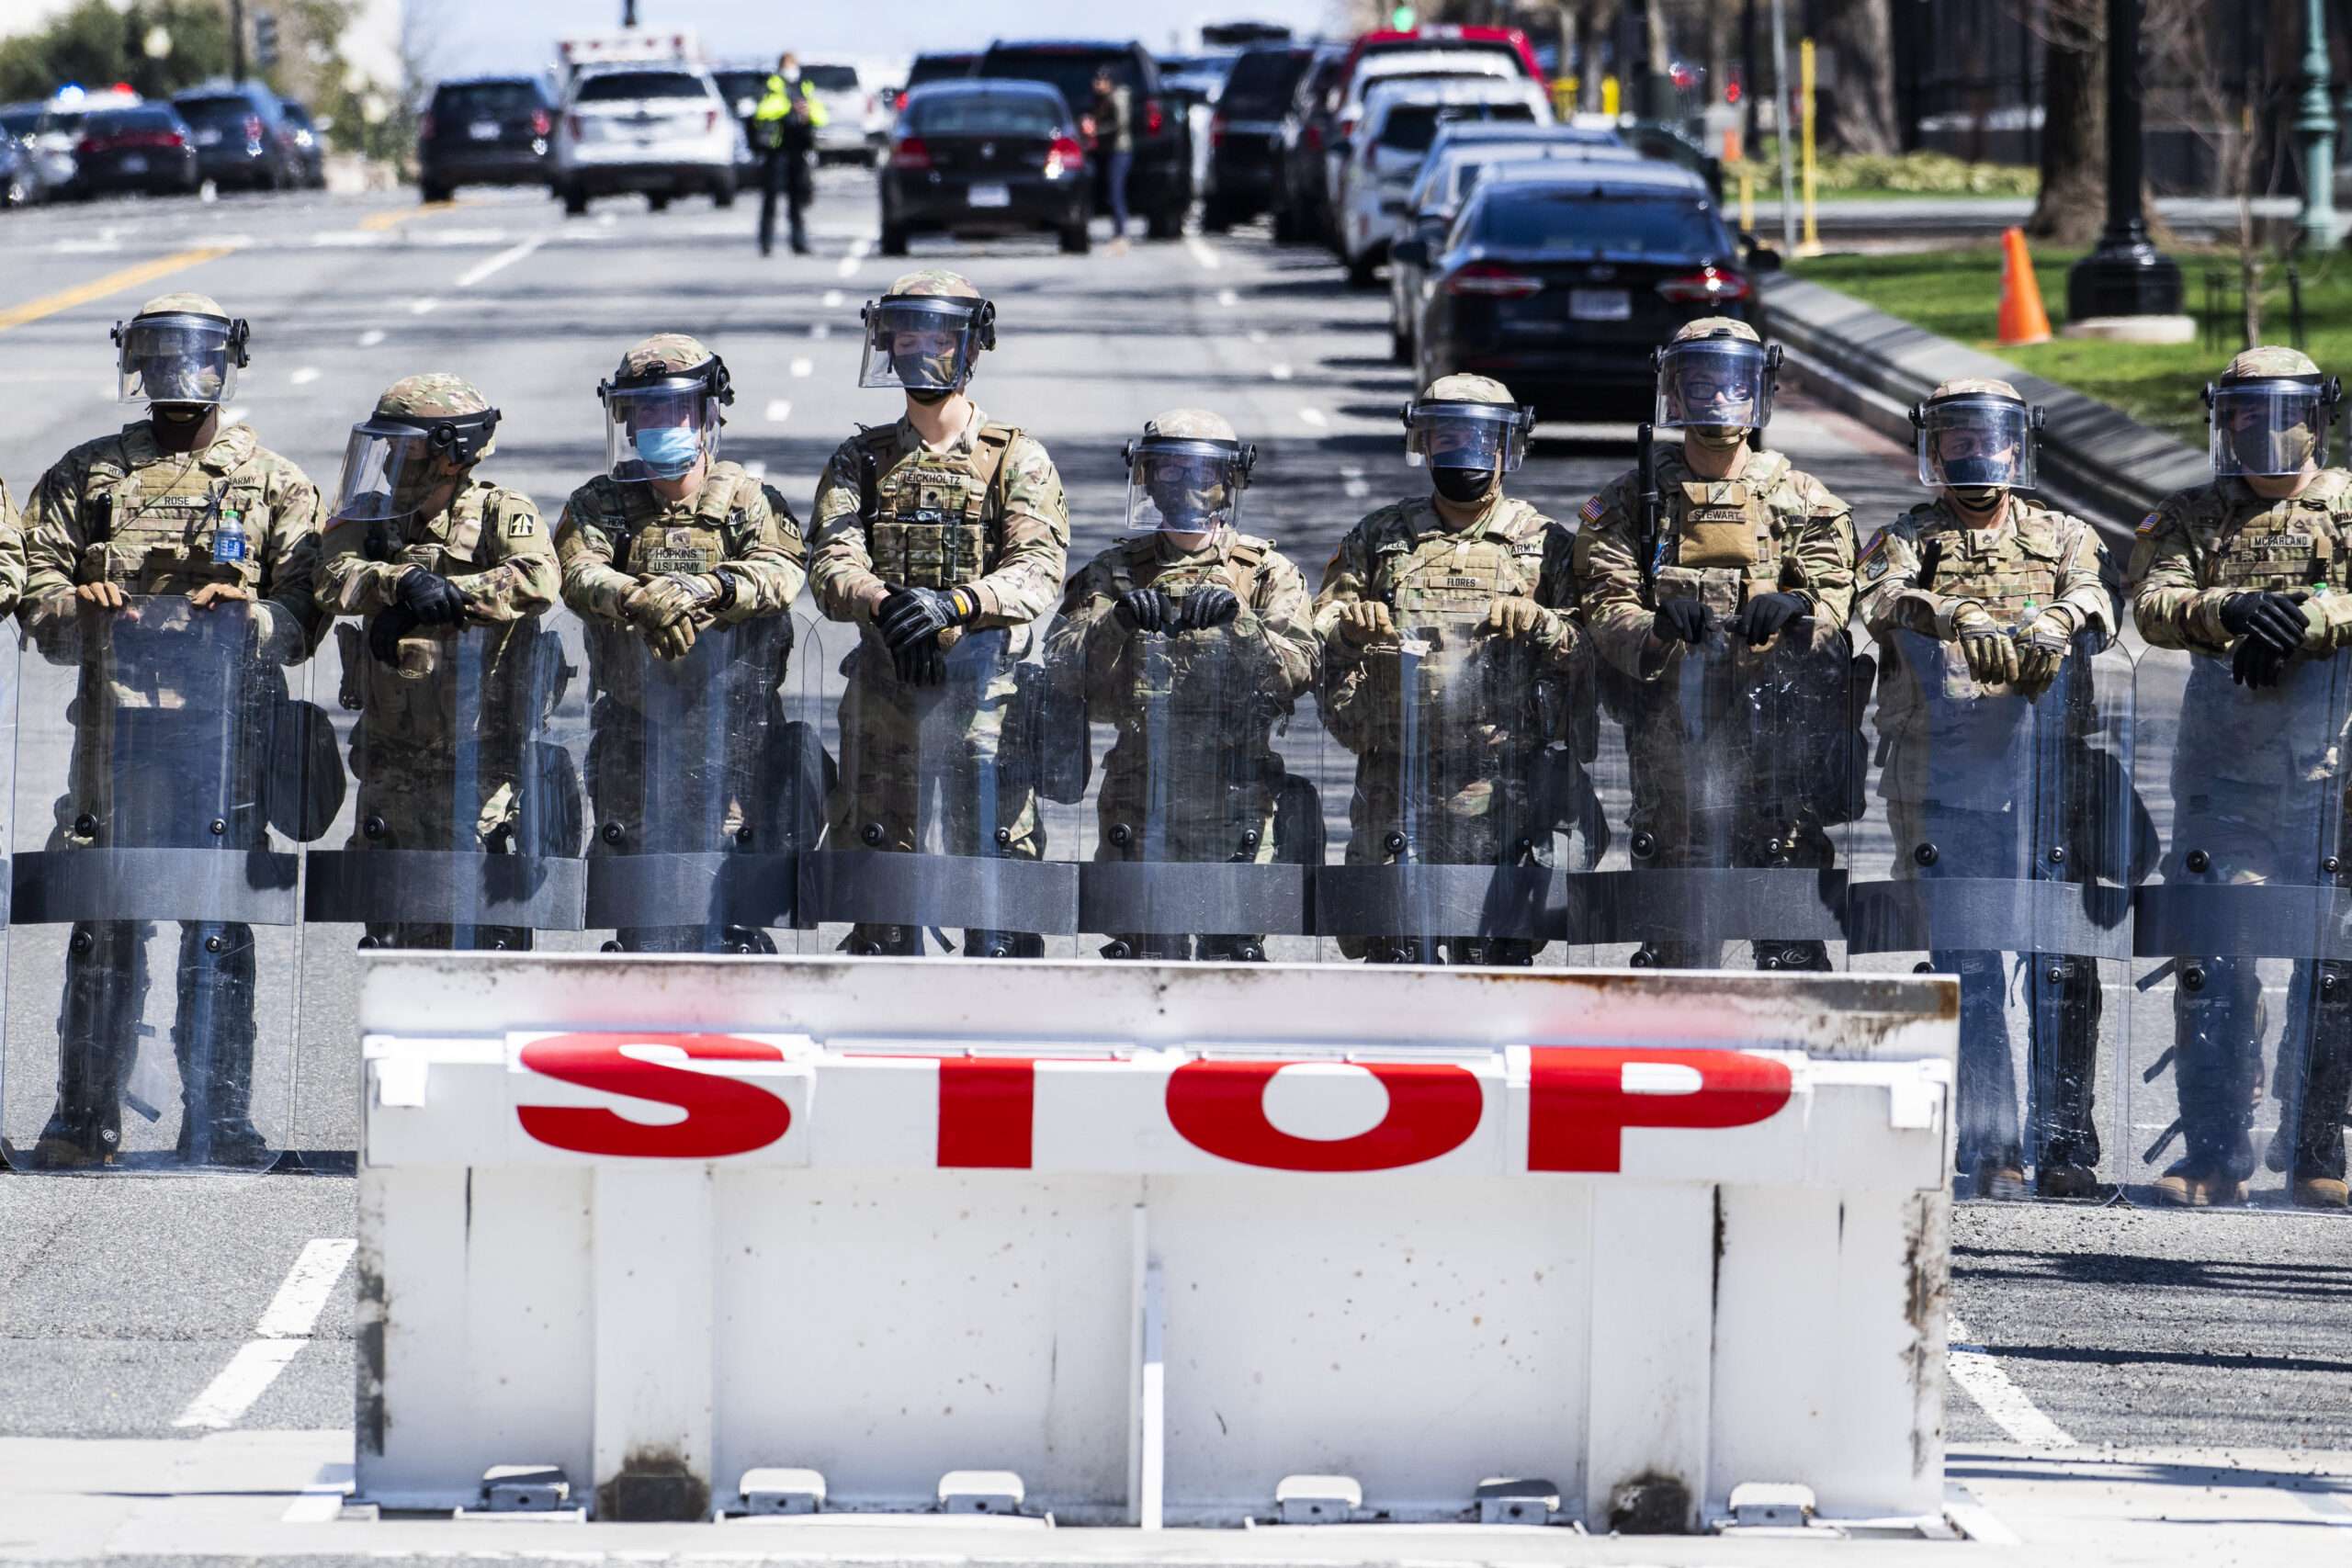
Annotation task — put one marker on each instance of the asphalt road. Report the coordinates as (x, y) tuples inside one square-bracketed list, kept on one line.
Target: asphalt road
[(121, 1300)]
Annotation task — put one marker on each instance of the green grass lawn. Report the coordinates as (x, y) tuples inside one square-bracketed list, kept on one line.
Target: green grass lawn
[(1957, 293)]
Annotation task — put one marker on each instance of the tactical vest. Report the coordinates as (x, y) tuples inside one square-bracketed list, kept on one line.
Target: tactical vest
[(2012, 571), (1726, 542), (1450, 579), (446, 546), (154, 526), (936, 516), (2288, 544), (1191, 683), (416, 700), (717, 528)]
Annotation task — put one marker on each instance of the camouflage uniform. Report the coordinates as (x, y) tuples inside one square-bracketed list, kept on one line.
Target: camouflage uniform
[(2036, 561), (1193, 775), (615, 536), (121, 510), (1467, 791), (1771, 528), (489, 542), (2257, 799), (984, 514), (12, 553)]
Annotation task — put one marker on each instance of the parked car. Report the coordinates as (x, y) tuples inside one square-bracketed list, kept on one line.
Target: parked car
[(661, 129), (240, 136), (986, 157), (1560, 288), (1160, 181), (53, 129), (1245, 134), (930, 68), (486, 130), (852, 113), (1465, 154), (310, 147), (1389, 71), (743, 87), (1190, 84), (1302, 200), (1504, 43), (1401, 121), (20, 181), (149, 150)]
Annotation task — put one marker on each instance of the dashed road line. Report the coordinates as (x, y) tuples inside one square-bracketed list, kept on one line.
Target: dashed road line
[(1227, 297), (832, 298), (1280, 372), (112, 283), (1353, 481), (500, 262), (779, 411), (857, 253), (803, 366), (285, 1327), (305, 375), (424, 307), (1979, 1375), (820, 332), (1315, 417), (1203, 253), (371, 337), (234, 414)]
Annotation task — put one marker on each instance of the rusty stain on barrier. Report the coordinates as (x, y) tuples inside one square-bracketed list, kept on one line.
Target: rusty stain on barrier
[(1650, 1503), (655, 1486), (374, 1310), (1927, 1283)]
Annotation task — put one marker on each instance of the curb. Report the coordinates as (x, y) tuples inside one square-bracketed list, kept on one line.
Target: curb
[(2096, 460)]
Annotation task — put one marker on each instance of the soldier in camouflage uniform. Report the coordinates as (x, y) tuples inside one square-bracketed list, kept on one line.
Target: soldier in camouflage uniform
[(1994, 589), (945, 538), (1439, 592), (1193, 639), (667, 543), (12, 553), (422, 547), (1746, 543), (2254, 565), (172, 504)]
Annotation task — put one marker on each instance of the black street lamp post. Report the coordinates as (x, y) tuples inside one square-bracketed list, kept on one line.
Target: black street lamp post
[(2125, 274)]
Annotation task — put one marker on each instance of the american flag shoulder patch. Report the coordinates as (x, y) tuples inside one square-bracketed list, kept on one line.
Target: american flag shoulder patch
[(1591, 510), (2147, 525), (1877, 544)]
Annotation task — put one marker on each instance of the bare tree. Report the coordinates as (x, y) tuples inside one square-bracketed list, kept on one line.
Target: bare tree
[(1857, 40), (2072, 205)]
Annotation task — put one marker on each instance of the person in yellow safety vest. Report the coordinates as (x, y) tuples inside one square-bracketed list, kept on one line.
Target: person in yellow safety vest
[(787, 117)]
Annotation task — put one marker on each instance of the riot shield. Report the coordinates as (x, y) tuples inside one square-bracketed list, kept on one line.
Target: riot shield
[(466, 825), (1742, 770), (703, 792), (952, 809), (2246, 940), (2014, 842), (163, 775), (1450, 847), (1207, 820)]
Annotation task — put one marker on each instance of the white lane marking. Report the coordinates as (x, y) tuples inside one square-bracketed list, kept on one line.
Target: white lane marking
[(1980, 1376), (1315, 417), (285, 1327), (1227, 297), (371, 337), (1279, 372), (321, 1503), (498, 263), (820, 332), (857, 249), (779, 411), (757, 467), (804, 365), (1353, 481), (305, 375), (422, 307), (1203, 253), (349, 239), (1975, 1520), (236, 415), (1256, 334), (86, 247), (832, 298)]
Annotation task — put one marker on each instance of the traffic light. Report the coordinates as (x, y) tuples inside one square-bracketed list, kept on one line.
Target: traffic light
[(265, 40)]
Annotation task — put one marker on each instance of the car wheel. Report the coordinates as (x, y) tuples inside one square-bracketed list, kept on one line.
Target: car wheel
[(659, 201), (723, 194), (575, 202), (1285, 226), (1360, 270), (1077, 239), (893, 241), (1166, 224), (1216, 218), (431, 193)]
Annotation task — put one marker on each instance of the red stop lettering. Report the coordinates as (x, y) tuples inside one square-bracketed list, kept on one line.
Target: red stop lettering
[(988, 1108), (724, 1116), (1579, 1108), (1220, 1108)]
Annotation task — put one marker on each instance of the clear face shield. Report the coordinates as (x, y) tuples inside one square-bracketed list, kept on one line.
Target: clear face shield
[(1716, 384), (391, 467), (178, 360), (2271, 428), (1977, 443), (1468, 435), (1185, 485), (659, 430), (923, 344)]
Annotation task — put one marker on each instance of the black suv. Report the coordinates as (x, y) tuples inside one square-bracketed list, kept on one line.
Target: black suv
[(1160, 180), (242, 137), (485, 131), (1246, 135)]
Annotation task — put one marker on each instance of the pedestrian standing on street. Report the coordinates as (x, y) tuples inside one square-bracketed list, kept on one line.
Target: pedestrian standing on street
[(788, 115), (1114, 139)]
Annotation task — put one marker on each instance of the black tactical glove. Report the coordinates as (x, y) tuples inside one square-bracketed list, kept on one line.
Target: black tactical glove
[(921, 663), (1761, 618), (909, 615), (1145, 610), (2257, 664), (384, 633), (1211, 605), (1683, 620), (2275, 619), (433, 599)]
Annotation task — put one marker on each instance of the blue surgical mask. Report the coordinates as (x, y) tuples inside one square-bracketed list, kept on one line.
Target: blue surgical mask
[(669, 450)]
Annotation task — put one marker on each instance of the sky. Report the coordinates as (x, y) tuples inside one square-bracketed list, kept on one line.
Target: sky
[(470, 36)]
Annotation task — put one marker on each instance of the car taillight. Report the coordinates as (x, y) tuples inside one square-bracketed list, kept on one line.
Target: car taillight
[(1708, 286), (252, 127), (1151, 116), (1492, 280), (539, 122), (899, 104), (910, 154), (424, 129), (1065, 153), (173, 138), (1216, 131)]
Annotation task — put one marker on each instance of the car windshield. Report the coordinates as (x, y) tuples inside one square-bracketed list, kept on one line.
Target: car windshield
[(1073, 73), (831, 78), (213, 111), (940, 68), (1410, 128), (20, 122), (1262, 82), (487, 100), (1580, 222), (985, 113), (615, 86)]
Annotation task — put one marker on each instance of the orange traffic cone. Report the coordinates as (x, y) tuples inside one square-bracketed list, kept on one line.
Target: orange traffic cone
[(2022, 318)]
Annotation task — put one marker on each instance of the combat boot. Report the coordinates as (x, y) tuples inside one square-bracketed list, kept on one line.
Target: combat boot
[(2064, 1047), (213, 1033), (2216, 1071), (2312, 1083)]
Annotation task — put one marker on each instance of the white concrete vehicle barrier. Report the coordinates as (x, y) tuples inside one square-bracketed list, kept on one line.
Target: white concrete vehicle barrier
[(1180, 1245)]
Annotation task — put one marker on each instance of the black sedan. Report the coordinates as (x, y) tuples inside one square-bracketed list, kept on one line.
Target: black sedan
[(148, 150), (1560, 288), (985, 157)]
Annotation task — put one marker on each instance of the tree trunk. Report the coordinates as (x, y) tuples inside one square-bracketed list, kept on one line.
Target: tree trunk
[(1857, 39), (2072, 205)]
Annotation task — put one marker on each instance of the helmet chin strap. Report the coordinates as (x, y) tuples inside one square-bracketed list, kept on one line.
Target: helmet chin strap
[(1978, 500), (1716, 437)]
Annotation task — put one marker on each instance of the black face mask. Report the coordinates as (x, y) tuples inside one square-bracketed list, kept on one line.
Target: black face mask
[(931, 399), (1977, 498), (1463, 486)]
